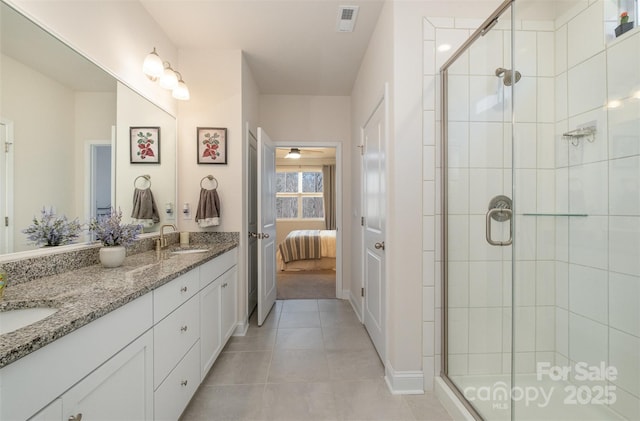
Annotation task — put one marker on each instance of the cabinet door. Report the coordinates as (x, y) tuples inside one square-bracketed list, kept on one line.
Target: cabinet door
[(210, 338), (178, 388), (173, 337), (229, 298), (120, 389)]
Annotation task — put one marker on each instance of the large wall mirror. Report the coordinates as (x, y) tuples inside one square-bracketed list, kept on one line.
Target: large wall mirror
[(65, 138)]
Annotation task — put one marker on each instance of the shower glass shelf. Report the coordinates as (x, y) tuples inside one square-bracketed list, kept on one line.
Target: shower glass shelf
[(581, 215)]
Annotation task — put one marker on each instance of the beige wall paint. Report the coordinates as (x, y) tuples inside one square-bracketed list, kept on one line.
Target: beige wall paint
[(135, 111), (117, 35), (95, 116), (300, 119), (49, 179), (376, 70)]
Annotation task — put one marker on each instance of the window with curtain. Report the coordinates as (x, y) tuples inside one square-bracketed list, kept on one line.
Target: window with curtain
[(299, 193)]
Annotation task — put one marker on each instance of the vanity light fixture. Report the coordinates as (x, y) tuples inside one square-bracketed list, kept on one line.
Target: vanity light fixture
[(169, 78), (294, 153), (158, 70), (181, 91), (153, 66)]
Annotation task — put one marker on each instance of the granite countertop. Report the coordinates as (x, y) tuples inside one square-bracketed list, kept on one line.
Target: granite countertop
[(83, 295)]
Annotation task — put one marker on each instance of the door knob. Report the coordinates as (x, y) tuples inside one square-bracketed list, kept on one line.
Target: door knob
[(75, 417), (379, 245)]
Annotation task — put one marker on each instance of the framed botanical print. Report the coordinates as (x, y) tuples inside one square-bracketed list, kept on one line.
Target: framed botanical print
[(144, 145), (212, 145)]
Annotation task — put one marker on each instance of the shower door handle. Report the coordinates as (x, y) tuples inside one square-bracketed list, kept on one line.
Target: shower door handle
[(490, 216)]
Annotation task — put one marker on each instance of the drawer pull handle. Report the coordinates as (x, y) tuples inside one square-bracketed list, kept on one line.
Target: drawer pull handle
[(183, 289), (183, 383), (184, 328), (75, 417), (224, 285)]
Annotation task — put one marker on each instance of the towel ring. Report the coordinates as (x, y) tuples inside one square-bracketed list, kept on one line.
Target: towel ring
[(146, 177), (209, 177)]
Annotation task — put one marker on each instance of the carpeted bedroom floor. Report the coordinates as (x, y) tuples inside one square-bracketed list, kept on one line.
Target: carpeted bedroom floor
[(307, 284)]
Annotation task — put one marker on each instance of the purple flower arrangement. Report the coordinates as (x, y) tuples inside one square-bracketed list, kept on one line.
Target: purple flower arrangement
[(52, 230), (111, 232)]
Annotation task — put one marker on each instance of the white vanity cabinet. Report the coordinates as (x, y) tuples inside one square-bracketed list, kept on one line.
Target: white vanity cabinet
[(120, 389), (218, 301), (68, 365), (228, 303), (192, 332), (142, 361)]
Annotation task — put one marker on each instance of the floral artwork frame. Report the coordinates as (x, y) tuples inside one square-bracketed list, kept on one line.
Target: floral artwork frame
[(144, 145), (212, 145)]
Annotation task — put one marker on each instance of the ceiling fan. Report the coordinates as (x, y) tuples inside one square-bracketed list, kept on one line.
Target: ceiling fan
[(296, 153)]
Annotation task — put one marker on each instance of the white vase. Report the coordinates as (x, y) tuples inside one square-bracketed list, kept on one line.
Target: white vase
[(112, 257)]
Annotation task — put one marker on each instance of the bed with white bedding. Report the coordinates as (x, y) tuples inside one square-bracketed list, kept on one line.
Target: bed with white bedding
[(307, 250)]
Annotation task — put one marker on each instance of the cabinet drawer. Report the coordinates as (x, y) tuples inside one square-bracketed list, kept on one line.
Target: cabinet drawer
[(169, 296), (173, 337), (216, 267), (176, 391)]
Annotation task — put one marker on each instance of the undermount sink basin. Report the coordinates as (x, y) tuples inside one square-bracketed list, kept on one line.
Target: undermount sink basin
[(11, 320), (189, 251)]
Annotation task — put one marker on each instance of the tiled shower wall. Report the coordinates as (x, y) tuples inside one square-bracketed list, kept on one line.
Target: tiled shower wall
[(598, 256), (578, 278), (480, 168)]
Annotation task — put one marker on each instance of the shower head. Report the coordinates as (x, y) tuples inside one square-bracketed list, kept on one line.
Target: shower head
[(508, 76)]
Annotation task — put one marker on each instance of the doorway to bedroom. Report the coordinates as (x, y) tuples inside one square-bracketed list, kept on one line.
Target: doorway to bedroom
[(306, 226)]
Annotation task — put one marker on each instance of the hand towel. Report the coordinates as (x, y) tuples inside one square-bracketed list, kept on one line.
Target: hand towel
[(145, 211), (208, 213)]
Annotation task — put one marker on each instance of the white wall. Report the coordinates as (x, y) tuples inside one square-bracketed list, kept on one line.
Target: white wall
[(216, 101), (44, 138), (375, 71), (117, 35), (217, 91), (300, 119), (135, 111), (95, 115)]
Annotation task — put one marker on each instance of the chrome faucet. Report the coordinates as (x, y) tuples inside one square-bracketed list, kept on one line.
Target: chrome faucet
[(162, 243)]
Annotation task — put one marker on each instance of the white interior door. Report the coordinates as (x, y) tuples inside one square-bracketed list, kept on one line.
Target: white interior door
[(252, 223), (267, 225), (373, 164)]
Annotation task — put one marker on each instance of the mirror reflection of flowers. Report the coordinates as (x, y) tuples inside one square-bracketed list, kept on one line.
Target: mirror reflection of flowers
[(145, 140), (111, 232), (211, 143), (52, 230), (624, 18)]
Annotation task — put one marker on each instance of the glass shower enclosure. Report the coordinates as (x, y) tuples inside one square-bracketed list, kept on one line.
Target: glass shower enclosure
[(540, 125)]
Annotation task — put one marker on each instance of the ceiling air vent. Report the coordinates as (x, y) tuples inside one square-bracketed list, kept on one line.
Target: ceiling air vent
[(347, 18)]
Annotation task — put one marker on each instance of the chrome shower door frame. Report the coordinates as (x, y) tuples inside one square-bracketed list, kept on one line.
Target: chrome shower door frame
[(486, 26)]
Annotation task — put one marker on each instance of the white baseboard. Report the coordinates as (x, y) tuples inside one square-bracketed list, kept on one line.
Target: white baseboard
[(355, 307), (450, 401), (344, 294), (404, 382), (241, 328)]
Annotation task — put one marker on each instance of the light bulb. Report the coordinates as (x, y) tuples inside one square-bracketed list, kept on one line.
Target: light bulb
[(181, 91), (152, 66), (169, 79)]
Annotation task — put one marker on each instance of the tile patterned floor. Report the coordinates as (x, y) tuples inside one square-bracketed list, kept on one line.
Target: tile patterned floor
[(311, 360)]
